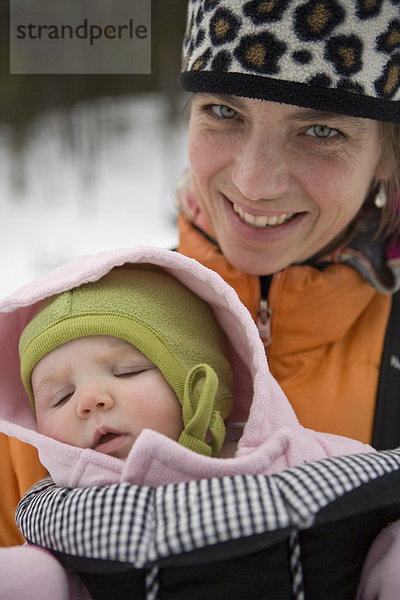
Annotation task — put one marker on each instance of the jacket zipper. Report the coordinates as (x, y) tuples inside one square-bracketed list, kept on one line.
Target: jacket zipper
[(264, 312)]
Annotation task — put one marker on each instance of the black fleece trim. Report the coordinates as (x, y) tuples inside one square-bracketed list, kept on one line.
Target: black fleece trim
[(299, 94)]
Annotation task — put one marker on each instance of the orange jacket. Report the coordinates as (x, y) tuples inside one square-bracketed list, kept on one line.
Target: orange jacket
[(20, 469), (327, 328)]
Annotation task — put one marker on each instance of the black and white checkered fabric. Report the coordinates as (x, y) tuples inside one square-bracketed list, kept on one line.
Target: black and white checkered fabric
[(144, 525), (296, 568)]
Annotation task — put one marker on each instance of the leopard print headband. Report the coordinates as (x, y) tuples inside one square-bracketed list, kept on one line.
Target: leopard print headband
[(341, 56)]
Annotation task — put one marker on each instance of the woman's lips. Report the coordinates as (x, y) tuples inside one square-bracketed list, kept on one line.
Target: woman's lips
[(259, 228), (262, 221)]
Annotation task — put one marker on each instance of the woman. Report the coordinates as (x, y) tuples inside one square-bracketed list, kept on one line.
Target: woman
[(296, 208), (294, 152)]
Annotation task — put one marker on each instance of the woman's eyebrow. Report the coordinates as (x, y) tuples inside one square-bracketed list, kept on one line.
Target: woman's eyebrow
[(235, 101), (310, 114)]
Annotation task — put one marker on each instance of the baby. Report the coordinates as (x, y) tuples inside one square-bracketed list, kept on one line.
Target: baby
[(134, 350)]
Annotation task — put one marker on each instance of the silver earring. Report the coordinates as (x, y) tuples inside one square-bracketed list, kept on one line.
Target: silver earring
[(380, 199)]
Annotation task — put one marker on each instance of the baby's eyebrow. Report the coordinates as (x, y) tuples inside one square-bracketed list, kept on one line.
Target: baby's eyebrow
[(48, 380)]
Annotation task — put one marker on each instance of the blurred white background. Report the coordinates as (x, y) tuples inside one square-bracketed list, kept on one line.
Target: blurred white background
[(98, 176)]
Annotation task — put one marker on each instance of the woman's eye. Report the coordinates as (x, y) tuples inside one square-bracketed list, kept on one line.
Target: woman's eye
[(223, 111), (322, 131)]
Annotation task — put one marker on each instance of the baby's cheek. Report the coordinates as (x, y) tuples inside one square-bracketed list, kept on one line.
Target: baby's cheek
[(54, 426)]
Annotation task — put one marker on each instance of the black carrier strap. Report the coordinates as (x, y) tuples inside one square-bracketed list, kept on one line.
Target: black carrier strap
[(302, 534), (386, 433)]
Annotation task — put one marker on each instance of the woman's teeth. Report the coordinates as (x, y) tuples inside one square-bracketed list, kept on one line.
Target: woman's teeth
[(261, 221)]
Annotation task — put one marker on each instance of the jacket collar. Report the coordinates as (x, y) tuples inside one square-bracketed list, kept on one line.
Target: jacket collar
[(364, 248)]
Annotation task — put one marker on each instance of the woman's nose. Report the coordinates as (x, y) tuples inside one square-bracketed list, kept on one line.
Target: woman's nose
[(93, 398), (260, 170)]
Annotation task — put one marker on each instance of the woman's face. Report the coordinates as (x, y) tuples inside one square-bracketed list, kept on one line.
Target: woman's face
[(278, 183)]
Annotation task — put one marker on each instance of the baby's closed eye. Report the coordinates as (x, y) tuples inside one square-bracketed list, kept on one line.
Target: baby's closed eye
[(131, 371)]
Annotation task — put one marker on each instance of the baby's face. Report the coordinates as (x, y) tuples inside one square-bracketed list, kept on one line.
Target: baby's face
[(100, 392)]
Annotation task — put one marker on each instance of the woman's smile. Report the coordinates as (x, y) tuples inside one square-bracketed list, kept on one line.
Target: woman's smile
[(267, 228), (261, 221)]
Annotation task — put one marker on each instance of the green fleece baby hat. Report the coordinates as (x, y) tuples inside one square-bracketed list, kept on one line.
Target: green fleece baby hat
[(167, 322)]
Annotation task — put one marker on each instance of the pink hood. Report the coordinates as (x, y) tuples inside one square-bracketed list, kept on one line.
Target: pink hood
[(273, 439)]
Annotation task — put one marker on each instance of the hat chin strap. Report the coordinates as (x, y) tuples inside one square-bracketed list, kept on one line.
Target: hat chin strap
[(199, 415)]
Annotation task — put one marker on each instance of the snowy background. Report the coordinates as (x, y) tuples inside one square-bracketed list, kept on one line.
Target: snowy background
[(98, 176)]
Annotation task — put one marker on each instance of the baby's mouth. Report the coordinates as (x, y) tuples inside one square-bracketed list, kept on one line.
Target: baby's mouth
[(106, 438), (114, 444), (262, 221), (102, 437)]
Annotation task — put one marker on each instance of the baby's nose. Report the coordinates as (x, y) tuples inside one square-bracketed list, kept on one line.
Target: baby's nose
[(93, 398)]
